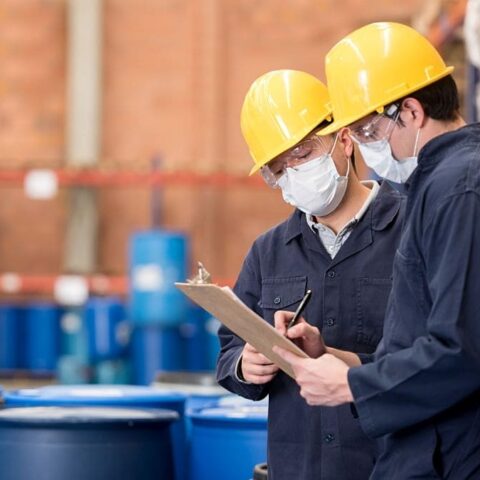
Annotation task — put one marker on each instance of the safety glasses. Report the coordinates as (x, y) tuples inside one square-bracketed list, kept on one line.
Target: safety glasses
[(309, 148), (379, 127)]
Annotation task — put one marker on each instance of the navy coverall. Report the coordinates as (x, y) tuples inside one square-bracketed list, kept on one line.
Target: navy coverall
[(348, 305), (422, 394)]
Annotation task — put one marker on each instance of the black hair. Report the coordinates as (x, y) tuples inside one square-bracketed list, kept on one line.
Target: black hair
[(439, 99)]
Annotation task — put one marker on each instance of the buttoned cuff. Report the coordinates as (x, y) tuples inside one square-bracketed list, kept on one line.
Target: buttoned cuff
[(362, 409)]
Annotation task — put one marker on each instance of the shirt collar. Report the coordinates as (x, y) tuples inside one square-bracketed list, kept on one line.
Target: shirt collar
[(374, 188), (380, 212)]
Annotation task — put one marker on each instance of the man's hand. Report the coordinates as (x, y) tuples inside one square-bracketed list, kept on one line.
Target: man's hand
[(306, 336), (256, 368), (322, 381)]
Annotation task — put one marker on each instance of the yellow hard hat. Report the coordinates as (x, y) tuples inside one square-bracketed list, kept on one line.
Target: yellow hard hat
[(281, 108), (376, 65)]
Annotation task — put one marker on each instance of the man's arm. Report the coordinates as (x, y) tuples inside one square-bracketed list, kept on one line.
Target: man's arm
[(442, 367), (249, 376), (412, 385)]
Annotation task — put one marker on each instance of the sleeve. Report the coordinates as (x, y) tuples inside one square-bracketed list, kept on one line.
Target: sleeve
[(366, 357), (409, 386), (248, 289)]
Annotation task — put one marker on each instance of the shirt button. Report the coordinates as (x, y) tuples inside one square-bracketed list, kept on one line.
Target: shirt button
[(329, 438), (330, 322), (277, 300), (331, 274)]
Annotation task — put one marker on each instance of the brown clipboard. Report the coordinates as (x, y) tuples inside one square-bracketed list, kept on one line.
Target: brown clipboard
[(224, 305)]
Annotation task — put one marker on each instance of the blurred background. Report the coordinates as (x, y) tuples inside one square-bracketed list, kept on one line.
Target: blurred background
[(122, 164)]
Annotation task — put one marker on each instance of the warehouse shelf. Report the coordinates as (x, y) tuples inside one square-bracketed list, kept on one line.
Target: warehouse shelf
[(15, 283), (101, 178), (11, 282)]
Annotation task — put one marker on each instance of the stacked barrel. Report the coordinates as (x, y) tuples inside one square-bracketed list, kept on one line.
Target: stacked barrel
[(95, 342), (169, 333), (29, 338)]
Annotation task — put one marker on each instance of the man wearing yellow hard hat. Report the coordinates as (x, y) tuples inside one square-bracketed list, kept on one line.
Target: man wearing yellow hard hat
[(339, 243), (421, 394)]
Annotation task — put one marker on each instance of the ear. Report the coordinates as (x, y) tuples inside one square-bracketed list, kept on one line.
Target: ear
[(345, 141), (413, 112)]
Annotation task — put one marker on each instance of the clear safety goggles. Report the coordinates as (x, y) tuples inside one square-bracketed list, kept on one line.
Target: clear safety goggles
[(379, 127), (309, 148)]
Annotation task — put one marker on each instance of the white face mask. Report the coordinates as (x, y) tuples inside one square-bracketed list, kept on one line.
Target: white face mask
[(314, 187), (379, 157)]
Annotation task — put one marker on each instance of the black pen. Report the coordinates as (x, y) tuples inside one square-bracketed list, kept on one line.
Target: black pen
[(300, 309)]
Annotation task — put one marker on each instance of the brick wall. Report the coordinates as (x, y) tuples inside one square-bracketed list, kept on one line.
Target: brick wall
[(32, 118), (175, 73)]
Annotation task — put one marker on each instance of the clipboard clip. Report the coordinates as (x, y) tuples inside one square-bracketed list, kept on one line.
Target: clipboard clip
[(202, 277)]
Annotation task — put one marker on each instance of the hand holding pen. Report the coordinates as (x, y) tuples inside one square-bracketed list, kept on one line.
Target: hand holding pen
[(306, 336), (300, 309)]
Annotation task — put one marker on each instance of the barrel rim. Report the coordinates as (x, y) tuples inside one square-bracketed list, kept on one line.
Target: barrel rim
[(59, 394), (79, 416)]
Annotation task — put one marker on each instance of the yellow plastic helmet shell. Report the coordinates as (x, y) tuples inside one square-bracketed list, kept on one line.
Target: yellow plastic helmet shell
[(376, 65), (280, 108)]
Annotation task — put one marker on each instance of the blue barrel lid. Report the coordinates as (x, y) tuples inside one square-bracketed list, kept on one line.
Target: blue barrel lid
[(201, 384), (94, 394), (245, 414), (159, 233), (98, 301), (84, 416), (234, 401), (42, 305), (10, 306)]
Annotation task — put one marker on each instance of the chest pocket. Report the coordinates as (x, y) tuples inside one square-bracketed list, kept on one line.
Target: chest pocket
[(279, 293), (372, 299)]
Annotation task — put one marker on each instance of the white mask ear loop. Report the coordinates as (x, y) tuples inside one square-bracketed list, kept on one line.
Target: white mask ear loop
[(416, 143), (334, 144), (331, 156), (348, 159)]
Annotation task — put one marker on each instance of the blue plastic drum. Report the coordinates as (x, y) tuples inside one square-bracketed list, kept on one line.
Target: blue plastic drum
[(74, 370), (108, 332), (156, 349), (111, 396), (157, 260), (201, 388), (235, 401), (227, 442), (201, 340), (117, 372), (59, 443), (73, 335), (42, 337), (73, 366), (10, 331)]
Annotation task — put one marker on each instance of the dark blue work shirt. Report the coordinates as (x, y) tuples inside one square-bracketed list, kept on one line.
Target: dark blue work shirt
[(348, 305), (422, 394)]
